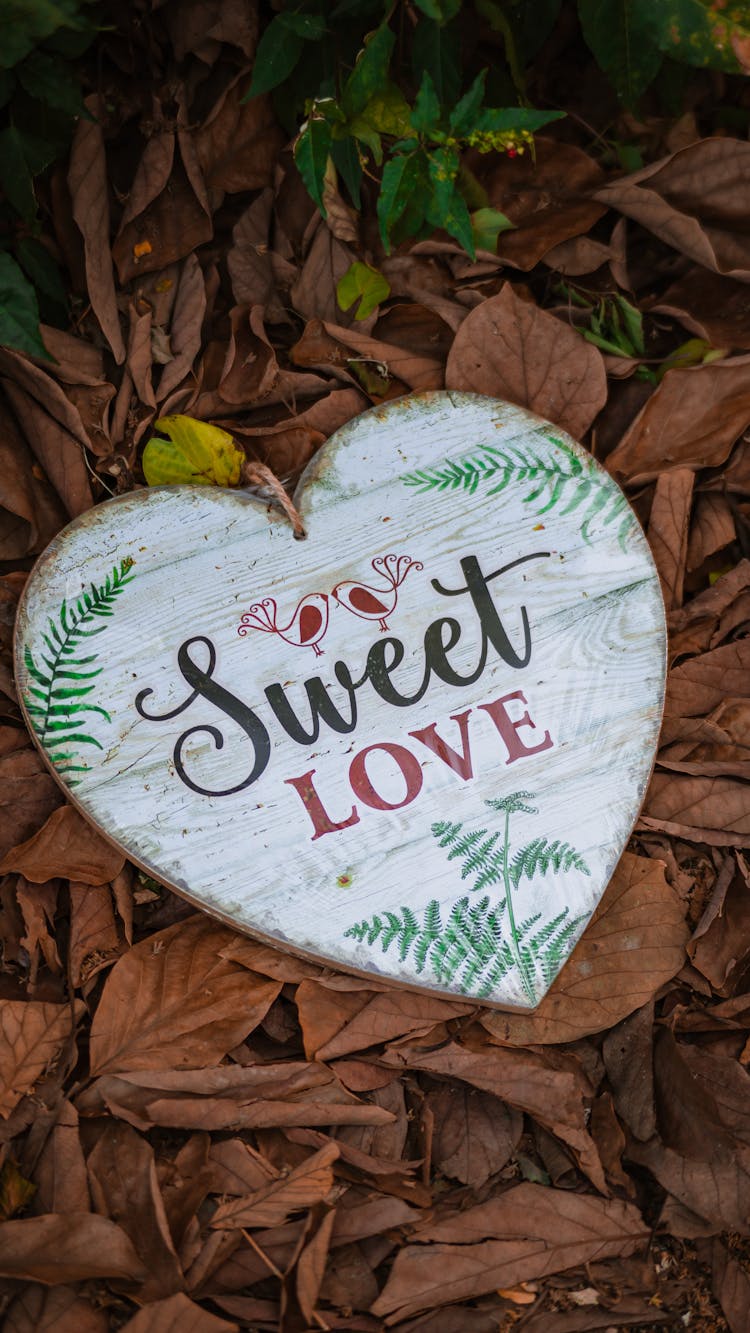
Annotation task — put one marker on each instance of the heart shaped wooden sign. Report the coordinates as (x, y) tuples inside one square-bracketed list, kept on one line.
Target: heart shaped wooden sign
[(412, 746)]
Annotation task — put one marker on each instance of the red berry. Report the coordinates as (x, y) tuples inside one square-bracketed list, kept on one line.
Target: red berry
[(512, 152)]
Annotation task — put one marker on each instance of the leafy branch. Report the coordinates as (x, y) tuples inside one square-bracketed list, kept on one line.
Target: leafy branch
[(471, 948), (57, 700), (577, 482)]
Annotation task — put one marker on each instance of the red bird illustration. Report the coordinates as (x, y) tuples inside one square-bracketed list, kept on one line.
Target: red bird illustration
[(305, 629), (376, 603)]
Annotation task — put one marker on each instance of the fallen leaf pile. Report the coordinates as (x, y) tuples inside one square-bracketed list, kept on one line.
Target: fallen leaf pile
[(199, 1133)]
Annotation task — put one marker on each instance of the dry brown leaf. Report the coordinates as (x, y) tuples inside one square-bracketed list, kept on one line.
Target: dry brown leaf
[(32, 1034), (38, 904), (475, 1134), (712, 528), (712, 810), (60, 1174), (670, 198), (668, 531), (237, 1168), (30, 511), (177, 1314), (731, 1287), (692, 420), (634, 943), (39, 1309), (310, 1268), (173, 1000), (66, 1247), (28, 796), (94, 942), (187, 322), (124, 1187), (239, 143), (380, 1018), (89, 190), (628, 1058), (711, 307), (290, 1093), (66, 846), (548, 198), (173, 225), (697, 686), (509, 348), (551, 1093), (524, 1234), (308, 1184)]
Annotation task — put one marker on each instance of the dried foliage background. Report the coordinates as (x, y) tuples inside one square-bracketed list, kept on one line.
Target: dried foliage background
[(200, 1134)]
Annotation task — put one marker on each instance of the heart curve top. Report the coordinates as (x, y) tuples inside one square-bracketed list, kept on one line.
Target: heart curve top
[(412, 746)]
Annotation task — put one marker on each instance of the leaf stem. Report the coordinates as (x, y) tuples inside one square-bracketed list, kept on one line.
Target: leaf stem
[(526, 981)]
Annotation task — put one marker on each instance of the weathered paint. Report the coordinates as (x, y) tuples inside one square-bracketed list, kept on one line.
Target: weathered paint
[(475, 587)]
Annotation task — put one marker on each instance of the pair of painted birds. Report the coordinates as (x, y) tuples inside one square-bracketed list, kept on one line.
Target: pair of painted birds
[(309, 622)]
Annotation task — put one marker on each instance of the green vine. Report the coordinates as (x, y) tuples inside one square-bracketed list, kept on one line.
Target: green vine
[(575, 481), (55, 702), (471, 948)]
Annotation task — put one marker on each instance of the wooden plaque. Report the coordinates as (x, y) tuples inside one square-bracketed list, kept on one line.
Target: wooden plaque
[(414, 744)]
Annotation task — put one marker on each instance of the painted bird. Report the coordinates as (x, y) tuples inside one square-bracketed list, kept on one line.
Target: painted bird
[(376, 603), (305, 629)]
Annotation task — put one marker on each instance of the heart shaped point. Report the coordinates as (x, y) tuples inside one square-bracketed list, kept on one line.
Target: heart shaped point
[(413, 746)]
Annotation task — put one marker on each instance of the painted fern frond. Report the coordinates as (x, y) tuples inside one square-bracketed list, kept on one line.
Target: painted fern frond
[(538, 856), (565, 480), (57, 690)]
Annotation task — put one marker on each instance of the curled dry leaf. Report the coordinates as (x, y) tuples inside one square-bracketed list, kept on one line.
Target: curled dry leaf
[(174, 1000), (89, 190), (668, 531), (308, 1184), (670, 198), (509, 348), (66, 846), (692, 420), (38, 1309), (524, 1234), (634, 943)]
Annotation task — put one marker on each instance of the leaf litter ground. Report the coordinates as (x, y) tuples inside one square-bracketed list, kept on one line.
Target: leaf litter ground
[(199, 1133)]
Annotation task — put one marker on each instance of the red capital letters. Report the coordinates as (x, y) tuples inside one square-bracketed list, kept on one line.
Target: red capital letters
[(460, 763), (321, 820), (363, 788), (509, 729)]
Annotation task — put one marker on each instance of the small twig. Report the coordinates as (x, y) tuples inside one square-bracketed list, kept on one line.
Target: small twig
[(270, 1265)]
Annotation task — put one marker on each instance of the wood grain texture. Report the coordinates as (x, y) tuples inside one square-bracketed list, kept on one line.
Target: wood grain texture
[(470, 855)]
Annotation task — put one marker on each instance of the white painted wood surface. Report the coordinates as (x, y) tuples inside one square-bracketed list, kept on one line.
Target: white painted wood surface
[(480, 877)]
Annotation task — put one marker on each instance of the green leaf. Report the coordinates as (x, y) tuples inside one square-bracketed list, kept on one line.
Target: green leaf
[(52, 81), (486, 225), (279, 50), (310, 27), (402, 176), (15, 178), (388, 111), (37, 262), (371, 70), (464, 115), (442, 11), (311, 155), (698, 32), (195, 453), (426, 115), (19, 312), (507, 119), (346, 161), (363, 283), (622, 36), (26, 23), (437, 50), (447, 207)]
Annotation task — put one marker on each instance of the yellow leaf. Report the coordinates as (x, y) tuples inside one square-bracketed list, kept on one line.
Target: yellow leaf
[(194, 454)]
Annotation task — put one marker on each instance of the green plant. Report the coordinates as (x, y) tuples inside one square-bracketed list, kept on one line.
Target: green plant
[(40, 99), (577, 481), (373, 90), (57, 700), (471, 948)]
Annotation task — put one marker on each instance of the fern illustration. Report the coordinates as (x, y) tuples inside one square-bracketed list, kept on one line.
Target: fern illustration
[(472, 948), (58, 699), (576, 481)]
